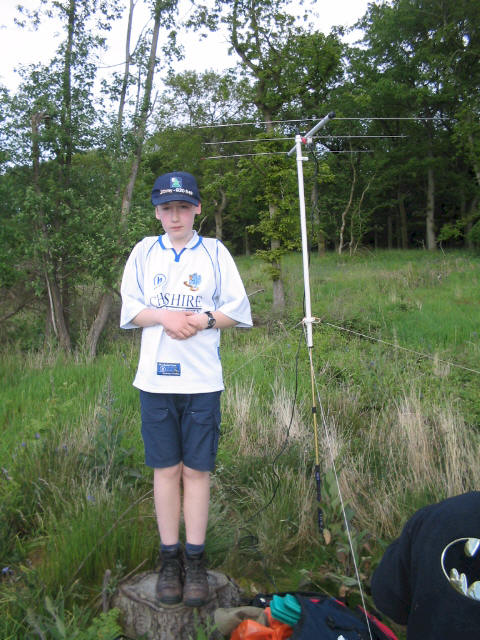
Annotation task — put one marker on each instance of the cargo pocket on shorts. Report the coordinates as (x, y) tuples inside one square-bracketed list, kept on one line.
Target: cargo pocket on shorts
[(160, 439), (207, 419)]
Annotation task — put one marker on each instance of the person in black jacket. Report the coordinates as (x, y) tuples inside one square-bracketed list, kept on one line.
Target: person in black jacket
[(429, 578)]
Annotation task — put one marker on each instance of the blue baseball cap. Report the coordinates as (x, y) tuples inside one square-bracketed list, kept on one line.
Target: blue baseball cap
[(178, 185)]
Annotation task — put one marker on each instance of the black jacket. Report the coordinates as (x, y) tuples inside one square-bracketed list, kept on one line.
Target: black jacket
[(410, 585)]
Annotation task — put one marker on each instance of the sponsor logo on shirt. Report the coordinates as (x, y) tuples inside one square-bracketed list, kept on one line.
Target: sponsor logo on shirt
[(169, 369), (159, 280), (176, 301)]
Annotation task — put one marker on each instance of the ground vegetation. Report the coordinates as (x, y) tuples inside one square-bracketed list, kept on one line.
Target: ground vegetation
[(396, 353)]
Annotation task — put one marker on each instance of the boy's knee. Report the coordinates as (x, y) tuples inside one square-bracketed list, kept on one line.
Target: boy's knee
[(169, 473), (190, 474)]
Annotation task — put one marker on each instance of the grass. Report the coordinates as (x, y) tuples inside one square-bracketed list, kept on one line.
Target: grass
[(401, 429)]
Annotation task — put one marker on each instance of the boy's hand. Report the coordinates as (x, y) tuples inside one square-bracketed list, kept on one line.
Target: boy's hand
[(198, 320), (179, 325)]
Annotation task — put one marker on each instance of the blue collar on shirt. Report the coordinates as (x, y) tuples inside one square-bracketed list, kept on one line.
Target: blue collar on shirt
[(193, 243)]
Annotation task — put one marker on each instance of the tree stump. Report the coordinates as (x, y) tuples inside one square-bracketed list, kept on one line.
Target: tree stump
[(143, 615)]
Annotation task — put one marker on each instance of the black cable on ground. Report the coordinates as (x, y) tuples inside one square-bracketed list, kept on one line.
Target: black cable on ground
[(251, 536)]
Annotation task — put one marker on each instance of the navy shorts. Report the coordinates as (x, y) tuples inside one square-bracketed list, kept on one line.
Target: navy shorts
[(180, 427)]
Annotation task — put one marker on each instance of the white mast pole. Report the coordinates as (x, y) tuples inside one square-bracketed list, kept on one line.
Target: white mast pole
[(303, 220), (308, 320), (303, 227)]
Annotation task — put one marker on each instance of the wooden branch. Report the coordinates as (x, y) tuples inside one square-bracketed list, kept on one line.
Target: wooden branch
[(346, 210), (11, 314), (236, 44)]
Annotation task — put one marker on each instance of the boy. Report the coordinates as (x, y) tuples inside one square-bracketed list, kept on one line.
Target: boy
[(181, 289)]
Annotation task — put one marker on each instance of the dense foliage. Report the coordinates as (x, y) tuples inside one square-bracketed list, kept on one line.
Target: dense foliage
[(398, 167)]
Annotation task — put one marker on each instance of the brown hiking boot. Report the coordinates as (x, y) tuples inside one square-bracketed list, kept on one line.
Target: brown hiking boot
[(195, 589), (170, 578)]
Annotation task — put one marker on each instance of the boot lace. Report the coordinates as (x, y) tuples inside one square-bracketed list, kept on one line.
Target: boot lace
[(170, 568), (195, 569)]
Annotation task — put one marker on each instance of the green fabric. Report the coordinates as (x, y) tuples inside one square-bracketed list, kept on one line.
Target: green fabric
[(286, 609)]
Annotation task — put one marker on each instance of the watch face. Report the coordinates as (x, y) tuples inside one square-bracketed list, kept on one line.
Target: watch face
[(211, 320)]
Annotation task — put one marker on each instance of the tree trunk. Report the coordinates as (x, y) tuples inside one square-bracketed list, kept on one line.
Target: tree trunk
[(351, 242), (57, 315), (142, 122), (320, 236), (48, 331), (277, 282), (472, 213), (354, 243), (321, 247), (143, 117), (342, 231), (258, 68), (66, 112), (345, 211), (476, 163), (99, 323), (106, 301), (56, 309), (219, 209), (403, 220), (126, 73), (246, 243), (430, 213), (389, 232)]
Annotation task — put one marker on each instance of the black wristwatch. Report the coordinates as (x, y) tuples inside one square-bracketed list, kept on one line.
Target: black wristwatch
[(211, 320)]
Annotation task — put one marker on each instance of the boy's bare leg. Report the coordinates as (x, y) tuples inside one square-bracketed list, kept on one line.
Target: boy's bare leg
[(166, 491), (196, 498)]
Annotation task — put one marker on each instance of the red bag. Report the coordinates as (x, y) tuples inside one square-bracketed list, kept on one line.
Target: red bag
[(251, 630)]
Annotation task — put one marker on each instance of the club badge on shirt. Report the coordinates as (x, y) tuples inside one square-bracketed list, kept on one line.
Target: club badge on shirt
[(193, 281)]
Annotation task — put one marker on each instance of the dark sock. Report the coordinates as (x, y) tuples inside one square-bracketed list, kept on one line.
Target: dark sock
[(194, 549), (169, 548)]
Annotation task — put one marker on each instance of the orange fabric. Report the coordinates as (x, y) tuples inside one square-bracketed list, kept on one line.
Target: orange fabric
[(251, 630)]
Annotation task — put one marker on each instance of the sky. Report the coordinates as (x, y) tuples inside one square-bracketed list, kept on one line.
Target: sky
[(26, 46)]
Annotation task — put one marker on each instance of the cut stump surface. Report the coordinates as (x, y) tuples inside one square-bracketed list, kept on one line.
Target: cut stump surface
[(143, 616)]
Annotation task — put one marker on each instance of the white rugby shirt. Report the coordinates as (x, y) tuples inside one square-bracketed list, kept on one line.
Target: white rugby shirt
[(202, 277)]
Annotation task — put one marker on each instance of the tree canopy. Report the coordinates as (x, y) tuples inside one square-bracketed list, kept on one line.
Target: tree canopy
[(398, 167)]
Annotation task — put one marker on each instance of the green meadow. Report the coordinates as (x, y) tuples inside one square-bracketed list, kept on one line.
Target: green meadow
[(395, 373)]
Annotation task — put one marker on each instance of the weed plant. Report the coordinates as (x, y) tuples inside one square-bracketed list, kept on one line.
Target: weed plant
[(395, 364)]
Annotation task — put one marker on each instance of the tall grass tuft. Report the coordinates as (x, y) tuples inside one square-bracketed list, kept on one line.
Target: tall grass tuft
[(75, 501), (414, 454)]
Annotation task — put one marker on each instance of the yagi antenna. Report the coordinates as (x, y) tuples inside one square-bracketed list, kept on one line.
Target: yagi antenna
[(318, 126), (303, 220)]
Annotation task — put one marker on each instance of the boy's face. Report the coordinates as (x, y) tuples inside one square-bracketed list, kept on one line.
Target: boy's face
[(177, 219)]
